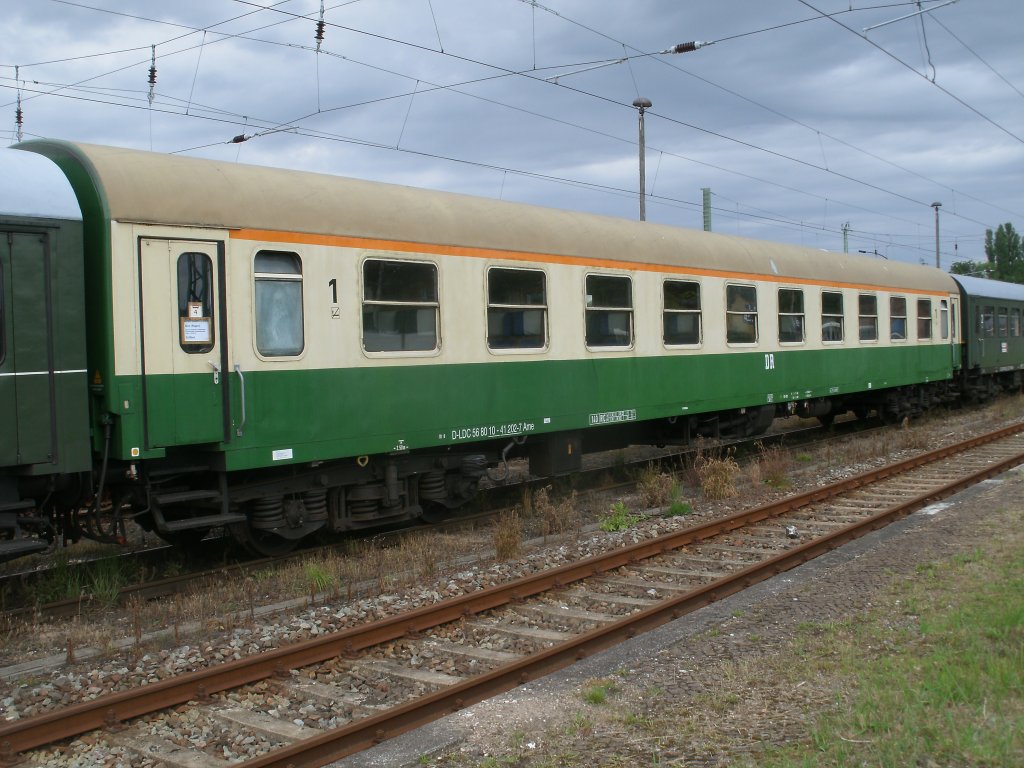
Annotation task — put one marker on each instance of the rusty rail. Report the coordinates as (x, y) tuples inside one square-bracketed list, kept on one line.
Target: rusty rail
[(112, 709)]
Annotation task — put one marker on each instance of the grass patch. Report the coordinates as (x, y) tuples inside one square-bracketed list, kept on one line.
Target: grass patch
[(599, 692), (678, 506), (948, 689), (106, 578), (319, 579)]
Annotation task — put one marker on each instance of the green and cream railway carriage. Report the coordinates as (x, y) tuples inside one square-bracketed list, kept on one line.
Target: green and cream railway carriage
[(993, 336), (281, 352)]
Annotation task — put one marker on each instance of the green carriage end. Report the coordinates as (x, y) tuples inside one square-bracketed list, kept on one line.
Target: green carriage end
[(993, 334), (44, 427)]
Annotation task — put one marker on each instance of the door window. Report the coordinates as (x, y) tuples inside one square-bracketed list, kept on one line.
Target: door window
[(195, 302)]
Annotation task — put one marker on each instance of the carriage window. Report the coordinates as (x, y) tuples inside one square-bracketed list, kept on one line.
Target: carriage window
[(944, 318), (897, 318), (400, 306), (1015, 322), (516, 309), (741, 314), (791, 315), (609, 311), (986, 321), (1003, 319), (867, 315), (924, 318), (195, 303), (831, 316), (278, 283), (681, 317)]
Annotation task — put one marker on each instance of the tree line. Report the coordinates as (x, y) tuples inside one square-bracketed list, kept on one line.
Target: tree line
[(1005, 253)]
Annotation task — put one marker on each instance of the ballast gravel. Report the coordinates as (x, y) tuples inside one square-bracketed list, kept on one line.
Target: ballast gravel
[(75, 682)]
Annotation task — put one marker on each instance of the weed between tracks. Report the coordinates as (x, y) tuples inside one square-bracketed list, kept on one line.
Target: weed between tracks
[(772, 465), (716, 472), (556, 517), (618, 519), (508, 536)]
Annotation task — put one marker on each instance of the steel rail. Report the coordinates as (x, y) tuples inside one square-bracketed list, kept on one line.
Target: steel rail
[(113, 709), (493, 497), (363, 734)]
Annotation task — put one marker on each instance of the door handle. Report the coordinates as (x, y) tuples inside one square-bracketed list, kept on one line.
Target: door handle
[(241, 378)]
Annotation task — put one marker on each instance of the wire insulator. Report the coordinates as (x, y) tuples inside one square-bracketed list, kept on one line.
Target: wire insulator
[(19, 116), (320, 28), (152, 75)]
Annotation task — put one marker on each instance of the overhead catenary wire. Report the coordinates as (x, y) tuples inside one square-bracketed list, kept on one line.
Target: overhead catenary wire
[(978, 56), (665, 200), (671, 63), (298, 16), (904, 64), (421, 91), (506, 70)]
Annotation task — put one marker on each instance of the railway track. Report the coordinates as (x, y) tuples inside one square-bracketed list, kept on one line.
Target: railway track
[(312, 702), (17, 588)]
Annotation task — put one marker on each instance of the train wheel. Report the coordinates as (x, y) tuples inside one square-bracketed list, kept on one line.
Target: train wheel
[(261, 543)]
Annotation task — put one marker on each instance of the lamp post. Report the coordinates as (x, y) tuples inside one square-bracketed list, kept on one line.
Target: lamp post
[(642, 104), (936, 206)]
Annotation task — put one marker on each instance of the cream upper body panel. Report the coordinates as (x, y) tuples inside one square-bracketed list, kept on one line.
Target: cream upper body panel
[(152, 188)]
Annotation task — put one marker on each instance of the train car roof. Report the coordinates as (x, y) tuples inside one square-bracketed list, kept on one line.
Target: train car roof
[(147, 187), (33, 187), (983, 288)]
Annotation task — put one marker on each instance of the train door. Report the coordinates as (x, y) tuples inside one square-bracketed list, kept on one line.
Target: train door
[(184, 349), (27, 418), (954, 330)]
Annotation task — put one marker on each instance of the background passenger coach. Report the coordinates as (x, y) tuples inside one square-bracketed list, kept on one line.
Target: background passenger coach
[(195, 344)]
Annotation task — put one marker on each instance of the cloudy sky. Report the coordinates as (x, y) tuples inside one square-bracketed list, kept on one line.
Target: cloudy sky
[(799, 122)]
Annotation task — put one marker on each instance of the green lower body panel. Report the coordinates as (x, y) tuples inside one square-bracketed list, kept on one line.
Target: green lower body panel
[(301, 416)]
